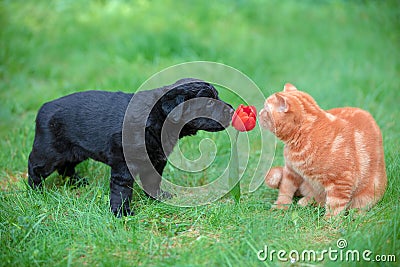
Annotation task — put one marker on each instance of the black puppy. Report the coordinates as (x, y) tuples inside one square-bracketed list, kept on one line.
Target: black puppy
[(132, 133)]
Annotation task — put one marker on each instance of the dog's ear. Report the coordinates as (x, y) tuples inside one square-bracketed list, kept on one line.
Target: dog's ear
[(207, 91), (204, 93), (176, 104)]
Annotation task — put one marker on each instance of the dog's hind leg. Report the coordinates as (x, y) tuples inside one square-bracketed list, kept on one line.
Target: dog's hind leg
[(68, 170), (121, 190)]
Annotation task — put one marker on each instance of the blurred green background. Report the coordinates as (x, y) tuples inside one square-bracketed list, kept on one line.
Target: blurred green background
[(344, 53), (337, 50)]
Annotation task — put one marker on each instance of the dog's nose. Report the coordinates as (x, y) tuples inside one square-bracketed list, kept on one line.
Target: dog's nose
[(229, 111)]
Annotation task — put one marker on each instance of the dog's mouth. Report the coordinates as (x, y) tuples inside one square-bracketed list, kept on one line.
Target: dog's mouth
[(219, 127), (218, 120), (210, 124), (227, 117)]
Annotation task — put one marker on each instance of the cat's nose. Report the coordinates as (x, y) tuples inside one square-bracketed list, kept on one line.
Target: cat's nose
[(262, 111), (266, 108)]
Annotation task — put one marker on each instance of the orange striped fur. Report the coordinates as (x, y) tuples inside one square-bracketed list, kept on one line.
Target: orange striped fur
[(332, 157)]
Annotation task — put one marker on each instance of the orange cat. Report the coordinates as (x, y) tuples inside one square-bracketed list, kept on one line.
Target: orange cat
[(334, 157)]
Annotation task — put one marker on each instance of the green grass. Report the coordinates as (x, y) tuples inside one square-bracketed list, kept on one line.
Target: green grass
[(344, 53)]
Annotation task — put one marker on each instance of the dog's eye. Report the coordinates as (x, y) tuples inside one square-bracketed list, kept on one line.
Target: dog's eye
[(210, 103)]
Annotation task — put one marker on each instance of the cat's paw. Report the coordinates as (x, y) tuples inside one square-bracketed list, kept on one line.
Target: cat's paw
[(281, 205), (331, 214), (304, 201), (273, 177)]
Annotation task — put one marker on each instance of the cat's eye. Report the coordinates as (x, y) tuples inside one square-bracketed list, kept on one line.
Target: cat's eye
[(210, 103)]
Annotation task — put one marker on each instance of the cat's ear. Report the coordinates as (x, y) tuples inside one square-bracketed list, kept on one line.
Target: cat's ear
[(283, 105), (289, 88)]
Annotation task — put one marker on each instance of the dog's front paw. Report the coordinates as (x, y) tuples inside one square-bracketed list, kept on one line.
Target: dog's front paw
[(164, 195), (160, 195), (122, 212)]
